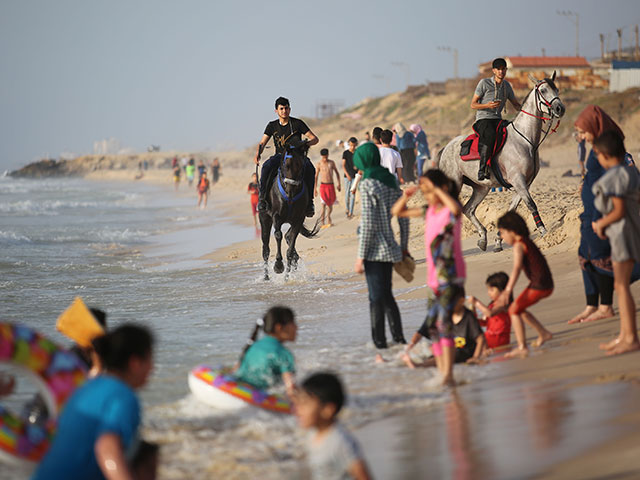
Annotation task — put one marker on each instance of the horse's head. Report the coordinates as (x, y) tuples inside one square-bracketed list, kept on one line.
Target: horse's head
[(547, 97), (295, 152)]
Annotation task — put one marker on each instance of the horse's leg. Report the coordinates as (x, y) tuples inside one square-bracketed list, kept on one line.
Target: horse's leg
[(521, 188), (265, 224), (469, 209), (292, 253), (278, 267), (515, 201)]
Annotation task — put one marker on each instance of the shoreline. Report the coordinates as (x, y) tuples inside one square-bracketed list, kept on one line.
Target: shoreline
[(569, 362)]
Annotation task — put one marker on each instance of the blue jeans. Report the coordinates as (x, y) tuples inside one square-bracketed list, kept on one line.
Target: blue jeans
[(421, 161), (349, 198), (382, 303)]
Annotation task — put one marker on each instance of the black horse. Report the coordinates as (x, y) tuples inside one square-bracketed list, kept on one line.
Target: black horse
[(288, 198)]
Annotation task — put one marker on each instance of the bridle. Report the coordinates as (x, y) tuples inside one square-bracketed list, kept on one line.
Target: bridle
[(544, 107), (283, 179)]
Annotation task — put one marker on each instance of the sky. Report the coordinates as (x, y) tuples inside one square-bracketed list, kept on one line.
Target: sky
[(203, 75)]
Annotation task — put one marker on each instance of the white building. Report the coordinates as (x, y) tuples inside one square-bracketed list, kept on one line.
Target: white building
[(624, 75)]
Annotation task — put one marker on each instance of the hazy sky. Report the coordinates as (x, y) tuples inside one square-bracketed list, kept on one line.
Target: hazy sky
[(193, 75)]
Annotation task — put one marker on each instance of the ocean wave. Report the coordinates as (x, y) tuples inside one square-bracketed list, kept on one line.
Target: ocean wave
[(12, 238), (46, 207)]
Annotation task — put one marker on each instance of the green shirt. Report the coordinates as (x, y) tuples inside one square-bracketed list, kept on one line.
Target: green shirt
[(265, 362)]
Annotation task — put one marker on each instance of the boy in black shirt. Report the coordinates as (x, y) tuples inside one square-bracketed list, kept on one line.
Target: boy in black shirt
[(280, 129)]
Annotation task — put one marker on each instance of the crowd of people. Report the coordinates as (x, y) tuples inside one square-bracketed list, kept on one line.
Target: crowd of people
[(188, 167)]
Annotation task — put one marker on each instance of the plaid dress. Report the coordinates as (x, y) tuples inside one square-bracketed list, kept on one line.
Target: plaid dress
[(377, 241)]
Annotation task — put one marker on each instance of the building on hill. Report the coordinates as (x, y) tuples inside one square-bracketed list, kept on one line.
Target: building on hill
[(571, 72), (624, 75)]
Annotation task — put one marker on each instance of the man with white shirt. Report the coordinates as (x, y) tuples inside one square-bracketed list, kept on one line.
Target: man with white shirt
[(390, 158)]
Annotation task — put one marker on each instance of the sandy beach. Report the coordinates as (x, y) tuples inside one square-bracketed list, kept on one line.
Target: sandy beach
[(566, 411)]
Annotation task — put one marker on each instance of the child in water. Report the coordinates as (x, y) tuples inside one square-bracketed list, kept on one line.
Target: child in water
[(332, 452), (254, 190), (99, 424), (526, 256), (496, 317), (266, 362), (445, 265), (617, 197)]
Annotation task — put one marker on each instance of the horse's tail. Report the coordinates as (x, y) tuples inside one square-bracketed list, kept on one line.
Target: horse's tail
[(310, 233), (437, 159)]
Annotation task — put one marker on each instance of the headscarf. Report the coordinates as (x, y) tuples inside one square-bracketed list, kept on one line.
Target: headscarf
[(595, 121), (415, 128), (367, 159), (400, 130)]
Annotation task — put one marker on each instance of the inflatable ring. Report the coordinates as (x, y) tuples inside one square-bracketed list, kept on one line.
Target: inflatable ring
[(57, 373), (216, 387)]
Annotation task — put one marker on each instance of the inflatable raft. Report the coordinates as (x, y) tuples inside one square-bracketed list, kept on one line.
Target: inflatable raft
[(56, 372), (216, 387)]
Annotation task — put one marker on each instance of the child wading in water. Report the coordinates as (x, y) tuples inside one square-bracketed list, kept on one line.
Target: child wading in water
[(253, 189), (617, 195), (203, 190), (267, 363), (445, 265), (526, 256), (496, 317), (332, 452)]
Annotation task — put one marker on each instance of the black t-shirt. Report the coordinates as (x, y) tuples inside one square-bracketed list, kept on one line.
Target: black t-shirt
[(347, 156), (295, 128), (465, 333)]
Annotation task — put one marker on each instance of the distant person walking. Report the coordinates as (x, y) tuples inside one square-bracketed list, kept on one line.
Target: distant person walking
[(405, 141), (203, 190), (350, 172), (176, 175), (215, 170), (324, 173), (191, 171), (422, 147), (390, 158), (254, 190)]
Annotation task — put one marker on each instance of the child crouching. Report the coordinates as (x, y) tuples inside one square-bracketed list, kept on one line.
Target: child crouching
[(496, 318), (333, 452)]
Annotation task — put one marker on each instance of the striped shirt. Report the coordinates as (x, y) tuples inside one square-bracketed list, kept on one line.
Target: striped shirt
[(377, 242)]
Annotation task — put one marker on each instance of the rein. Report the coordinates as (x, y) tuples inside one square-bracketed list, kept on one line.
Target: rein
[(550, 117)]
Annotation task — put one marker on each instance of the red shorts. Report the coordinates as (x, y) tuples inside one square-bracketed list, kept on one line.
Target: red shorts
[(254, 204), (528, 297), (328, 193)]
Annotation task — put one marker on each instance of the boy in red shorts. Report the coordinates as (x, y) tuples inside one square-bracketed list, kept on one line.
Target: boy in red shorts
[(527, 257), (254, 190), (324, 172)]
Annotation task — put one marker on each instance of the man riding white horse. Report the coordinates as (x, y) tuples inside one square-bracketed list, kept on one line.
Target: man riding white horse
[(489, 99), (285, 128)]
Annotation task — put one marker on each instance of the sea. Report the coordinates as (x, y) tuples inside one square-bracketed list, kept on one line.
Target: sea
[(139, 252)]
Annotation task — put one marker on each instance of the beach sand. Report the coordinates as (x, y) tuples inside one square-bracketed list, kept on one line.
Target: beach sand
[(566, 411)]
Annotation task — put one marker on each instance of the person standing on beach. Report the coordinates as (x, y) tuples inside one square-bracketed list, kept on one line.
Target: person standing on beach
[(326, 169), (422, 147), (191, 171), (377, 247), (406, 144), (618, 199), (390, 158), (489, 99), (282, 130), (203, 190), (176, 175), (253, 189), (215, 170), (350, 172)]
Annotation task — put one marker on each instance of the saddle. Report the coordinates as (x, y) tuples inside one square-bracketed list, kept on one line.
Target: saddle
[(469, 150), (469, 147)]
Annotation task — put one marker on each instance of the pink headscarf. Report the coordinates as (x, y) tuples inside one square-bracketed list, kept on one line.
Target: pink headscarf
[(415, 128)]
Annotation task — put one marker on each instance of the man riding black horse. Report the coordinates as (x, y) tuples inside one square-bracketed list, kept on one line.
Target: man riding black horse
[(285, 128)]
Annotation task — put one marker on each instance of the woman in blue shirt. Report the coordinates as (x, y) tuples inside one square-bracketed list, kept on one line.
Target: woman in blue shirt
[(98, 427)]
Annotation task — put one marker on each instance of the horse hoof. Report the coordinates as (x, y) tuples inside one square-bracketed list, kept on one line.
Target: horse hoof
[(482, 244), (542, 230), (497, 248), (266, 277), (278, 267)]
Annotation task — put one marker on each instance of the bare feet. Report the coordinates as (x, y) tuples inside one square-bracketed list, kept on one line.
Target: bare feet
[(624, 347), (545, 337), (379, 358), (518, 352), (407, 360), (582, 315), (609, 345), (448, 381), (600, 314)]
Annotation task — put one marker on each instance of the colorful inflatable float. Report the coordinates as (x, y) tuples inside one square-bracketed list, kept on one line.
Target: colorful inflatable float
[(55, 371), (216, 387)]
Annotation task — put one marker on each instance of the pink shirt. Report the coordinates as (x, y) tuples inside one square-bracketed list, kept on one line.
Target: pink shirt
[(439, 271)]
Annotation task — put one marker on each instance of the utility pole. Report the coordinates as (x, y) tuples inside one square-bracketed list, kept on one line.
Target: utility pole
[(455, 59), (637, 52), (619, 30), (569, 13), (602, 46)]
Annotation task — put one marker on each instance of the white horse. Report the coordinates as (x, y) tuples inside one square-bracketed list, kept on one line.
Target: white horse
[(518, 160)]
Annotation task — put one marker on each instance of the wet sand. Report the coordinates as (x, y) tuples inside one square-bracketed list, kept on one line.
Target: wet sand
[(566, 411)]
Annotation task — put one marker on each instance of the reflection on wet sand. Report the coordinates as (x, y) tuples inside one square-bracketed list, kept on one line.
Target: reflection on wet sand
[(506, 431)]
